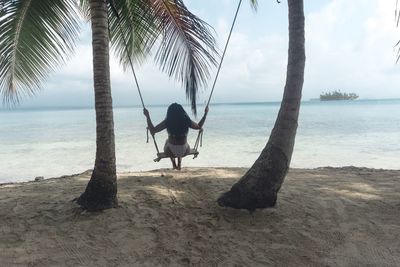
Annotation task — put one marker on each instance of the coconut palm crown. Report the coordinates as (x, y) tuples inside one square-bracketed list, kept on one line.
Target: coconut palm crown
[(38, 36)]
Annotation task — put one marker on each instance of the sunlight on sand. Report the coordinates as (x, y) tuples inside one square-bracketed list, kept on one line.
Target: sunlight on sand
[(356, 190)]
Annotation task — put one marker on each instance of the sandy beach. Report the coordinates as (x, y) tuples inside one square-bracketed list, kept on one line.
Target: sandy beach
[(325, 217)]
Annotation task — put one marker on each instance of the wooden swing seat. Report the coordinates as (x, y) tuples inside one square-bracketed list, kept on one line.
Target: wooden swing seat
[(162, 155)]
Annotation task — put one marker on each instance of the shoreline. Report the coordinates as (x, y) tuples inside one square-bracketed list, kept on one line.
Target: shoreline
[(89, 171), (324, 217)]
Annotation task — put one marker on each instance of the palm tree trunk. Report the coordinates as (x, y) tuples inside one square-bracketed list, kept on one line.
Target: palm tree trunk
[(101, 191), (259, 187)]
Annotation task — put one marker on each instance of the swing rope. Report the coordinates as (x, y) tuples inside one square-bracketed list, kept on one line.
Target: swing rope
[(132, 68), (138, 89), (199, 139), (223, 54)]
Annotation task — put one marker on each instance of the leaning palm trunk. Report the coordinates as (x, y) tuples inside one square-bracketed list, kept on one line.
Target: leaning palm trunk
[(101, 191), (259, 187)]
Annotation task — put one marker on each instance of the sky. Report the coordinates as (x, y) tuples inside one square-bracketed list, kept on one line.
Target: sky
[(350, 46)]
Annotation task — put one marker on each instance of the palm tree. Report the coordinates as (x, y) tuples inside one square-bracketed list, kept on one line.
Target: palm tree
[(36, 36), (259, 187)]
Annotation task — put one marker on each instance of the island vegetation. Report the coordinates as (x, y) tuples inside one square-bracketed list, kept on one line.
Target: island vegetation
[(337, 95)]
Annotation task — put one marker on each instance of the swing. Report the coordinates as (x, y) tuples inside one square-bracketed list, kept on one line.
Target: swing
[(193, 151), (199, 140)]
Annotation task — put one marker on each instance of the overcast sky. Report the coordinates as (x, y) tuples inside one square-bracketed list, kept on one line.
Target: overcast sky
[(349, 46)]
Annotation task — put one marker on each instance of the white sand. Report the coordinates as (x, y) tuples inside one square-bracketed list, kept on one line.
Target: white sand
[(325, 217)]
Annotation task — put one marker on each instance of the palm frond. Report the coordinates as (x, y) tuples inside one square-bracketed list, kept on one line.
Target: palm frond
[(133, 29), (254, 4), (397, 21), (3, 7), (187, 47), (84, 9), (35, 38)]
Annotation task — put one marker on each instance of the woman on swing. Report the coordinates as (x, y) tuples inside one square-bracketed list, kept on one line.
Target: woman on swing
[(177, 124)]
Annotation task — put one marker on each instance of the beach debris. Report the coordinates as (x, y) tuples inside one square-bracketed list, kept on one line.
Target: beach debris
[(39, 178)]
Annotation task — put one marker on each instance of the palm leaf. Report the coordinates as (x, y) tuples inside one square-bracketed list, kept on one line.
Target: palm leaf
[(254, 4), (397, 20), (133, 29), (187, 48), (35, 38), (84, 9)]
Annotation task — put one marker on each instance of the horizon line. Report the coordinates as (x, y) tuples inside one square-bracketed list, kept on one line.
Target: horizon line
[(65, 107)]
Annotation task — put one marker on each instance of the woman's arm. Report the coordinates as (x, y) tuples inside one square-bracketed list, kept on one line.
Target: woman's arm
[(154, 129), (161, 126), (199, 125)]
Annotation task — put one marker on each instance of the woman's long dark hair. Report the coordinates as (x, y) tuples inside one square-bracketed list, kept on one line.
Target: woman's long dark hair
[(177, 120)]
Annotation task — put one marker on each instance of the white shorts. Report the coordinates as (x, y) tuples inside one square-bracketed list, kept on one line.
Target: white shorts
[(179, 151)]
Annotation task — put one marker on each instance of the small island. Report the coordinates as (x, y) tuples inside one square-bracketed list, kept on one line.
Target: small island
[(337, 95)]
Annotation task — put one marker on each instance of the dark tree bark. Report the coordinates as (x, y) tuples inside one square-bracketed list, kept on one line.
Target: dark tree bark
[(259, 187), (101, 191)]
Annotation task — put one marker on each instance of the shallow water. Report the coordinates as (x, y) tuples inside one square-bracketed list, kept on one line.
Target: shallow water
[(54, 142)]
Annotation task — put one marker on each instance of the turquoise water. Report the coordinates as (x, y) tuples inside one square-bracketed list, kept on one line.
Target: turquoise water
[(55, 142)]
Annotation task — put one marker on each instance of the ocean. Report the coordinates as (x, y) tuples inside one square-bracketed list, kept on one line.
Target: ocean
[(51, 142)]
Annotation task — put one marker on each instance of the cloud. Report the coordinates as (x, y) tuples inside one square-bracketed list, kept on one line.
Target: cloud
[(350, 47)]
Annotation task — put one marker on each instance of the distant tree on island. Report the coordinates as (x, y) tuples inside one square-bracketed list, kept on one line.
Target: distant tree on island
[(337, 95)]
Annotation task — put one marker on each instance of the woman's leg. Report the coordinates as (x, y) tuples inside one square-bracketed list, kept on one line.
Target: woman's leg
[(180, 158), (179, 163), (173, 163), (169, 153)]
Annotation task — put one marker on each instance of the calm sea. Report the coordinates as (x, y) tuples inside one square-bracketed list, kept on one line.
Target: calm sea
[(55, 142)]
